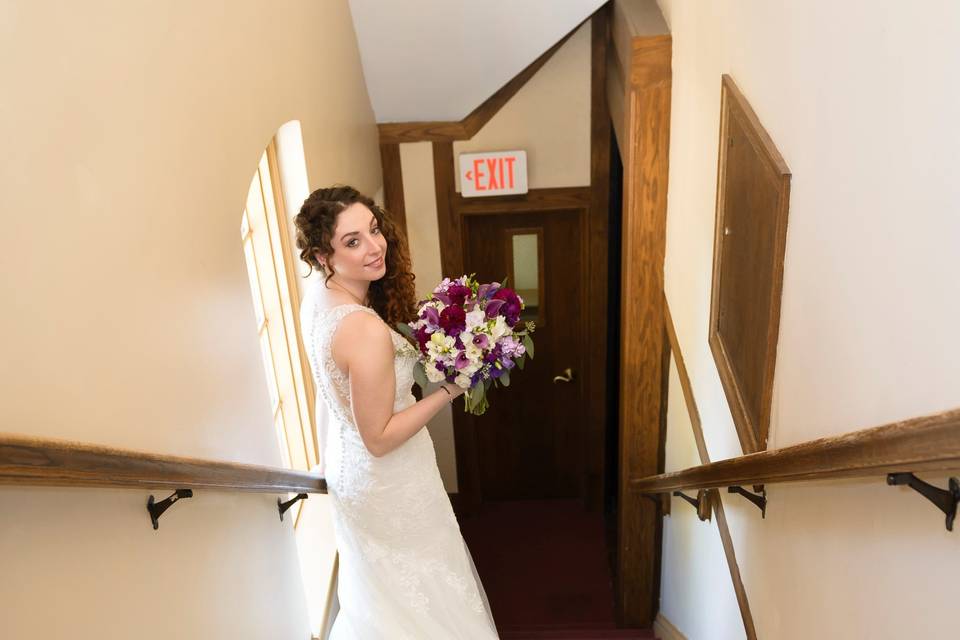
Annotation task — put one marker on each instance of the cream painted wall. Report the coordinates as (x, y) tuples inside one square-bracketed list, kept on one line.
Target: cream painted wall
[(132, 131), (854, 96), (708, 605), (420, 201), (550, 118)]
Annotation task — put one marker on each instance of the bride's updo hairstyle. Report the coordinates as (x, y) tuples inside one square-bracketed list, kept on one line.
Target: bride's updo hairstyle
[(393, 296)]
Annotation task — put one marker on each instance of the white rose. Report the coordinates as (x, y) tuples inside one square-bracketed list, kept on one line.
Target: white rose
[(442, 341), (433, 375), (473, 351), (500, 327), (477, 317), (463, 381)]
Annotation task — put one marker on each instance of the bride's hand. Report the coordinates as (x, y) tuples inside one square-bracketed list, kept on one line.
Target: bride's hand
[(454, 389)]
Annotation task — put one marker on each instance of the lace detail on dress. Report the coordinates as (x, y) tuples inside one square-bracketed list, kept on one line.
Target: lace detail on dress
[(392, 513)]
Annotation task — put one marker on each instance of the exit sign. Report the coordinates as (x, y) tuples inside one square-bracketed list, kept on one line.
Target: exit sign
[(496, 173)]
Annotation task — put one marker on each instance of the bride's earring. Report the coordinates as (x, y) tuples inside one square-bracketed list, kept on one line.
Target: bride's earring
[(323, 264)]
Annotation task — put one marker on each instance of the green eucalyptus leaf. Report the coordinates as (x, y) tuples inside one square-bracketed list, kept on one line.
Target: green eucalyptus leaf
[(404, 329), (528, 345), (519, 362), (505, 379), (420, 376)]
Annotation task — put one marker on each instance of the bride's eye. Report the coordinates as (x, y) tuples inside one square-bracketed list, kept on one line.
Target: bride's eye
[(375, 230)]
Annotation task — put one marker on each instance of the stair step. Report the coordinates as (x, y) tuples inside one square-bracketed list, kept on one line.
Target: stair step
[(566, 633)]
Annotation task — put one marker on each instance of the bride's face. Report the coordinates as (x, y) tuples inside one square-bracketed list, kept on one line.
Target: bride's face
[(359, 248)]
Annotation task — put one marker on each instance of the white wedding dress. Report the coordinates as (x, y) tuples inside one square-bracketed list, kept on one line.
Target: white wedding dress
[(405, 571)]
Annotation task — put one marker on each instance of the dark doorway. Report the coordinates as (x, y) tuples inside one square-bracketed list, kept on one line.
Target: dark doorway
[(612, 448)]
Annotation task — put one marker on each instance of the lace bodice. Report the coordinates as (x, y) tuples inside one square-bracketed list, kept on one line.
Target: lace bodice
[(405, 356), (405, 572)]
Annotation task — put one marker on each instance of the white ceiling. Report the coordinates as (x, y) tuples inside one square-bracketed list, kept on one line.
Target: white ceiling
[(440, 59)]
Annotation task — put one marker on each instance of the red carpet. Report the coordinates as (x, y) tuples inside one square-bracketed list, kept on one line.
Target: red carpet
[(543, 564)]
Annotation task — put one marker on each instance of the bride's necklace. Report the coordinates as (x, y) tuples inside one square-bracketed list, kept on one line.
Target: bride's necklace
[(344, 289)]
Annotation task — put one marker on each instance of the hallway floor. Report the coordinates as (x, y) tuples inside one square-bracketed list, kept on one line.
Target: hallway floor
[(544, 567)]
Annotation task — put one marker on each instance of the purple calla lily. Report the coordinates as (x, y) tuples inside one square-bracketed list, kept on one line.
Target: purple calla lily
[(493, 308), (432, 316)]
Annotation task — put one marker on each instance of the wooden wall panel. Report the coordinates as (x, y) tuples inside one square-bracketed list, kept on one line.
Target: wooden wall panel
[(393, 184), (448, 221), (753, 196), (645, 152)]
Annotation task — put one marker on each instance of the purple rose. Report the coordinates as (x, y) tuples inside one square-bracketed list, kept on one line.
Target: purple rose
[(511, 305), (453, 320)]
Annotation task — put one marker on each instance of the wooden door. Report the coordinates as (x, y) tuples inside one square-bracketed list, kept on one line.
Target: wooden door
[(531, 442)]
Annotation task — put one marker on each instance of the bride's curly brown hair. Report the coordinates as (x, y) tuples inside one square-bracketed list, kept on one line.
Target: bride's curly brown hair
[(393, 296)]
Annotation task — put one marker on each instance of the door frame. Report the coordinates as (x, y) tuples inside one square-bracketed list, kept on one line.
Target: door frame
[(593, 200), (579, 200)]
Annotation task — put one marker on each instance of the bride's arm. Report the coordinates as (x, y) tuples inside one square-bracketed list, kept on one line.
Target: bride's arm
[(369, 359)]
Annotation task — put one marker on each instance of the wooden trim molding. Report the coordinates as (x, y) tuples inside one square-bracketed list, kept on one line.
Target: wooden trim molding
[(664, 629), (439, 131), (534, 200), (928, 443), (645, 152), (714, 497), (745, 615), (26, 460), (685, 385), (393, 184), (325, 622), (299, 363), (448, 218)]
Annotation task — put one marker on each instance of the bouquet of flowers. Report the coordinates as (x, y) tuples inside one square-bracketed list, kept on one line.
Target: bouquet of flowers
[(469, 335)]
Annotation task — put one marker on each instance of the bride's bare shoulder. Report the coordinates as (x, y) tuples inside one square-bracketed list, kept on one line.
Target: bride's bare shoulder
[(362, 337)]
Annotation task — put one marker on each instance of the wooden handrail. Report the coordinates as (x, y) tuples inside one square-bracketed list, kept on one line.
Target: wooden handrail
[(40, 461), (928, 443)]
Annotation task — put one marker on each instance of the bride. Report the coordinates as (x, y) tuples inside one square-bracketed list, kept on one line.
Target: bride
[(405, 571)]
